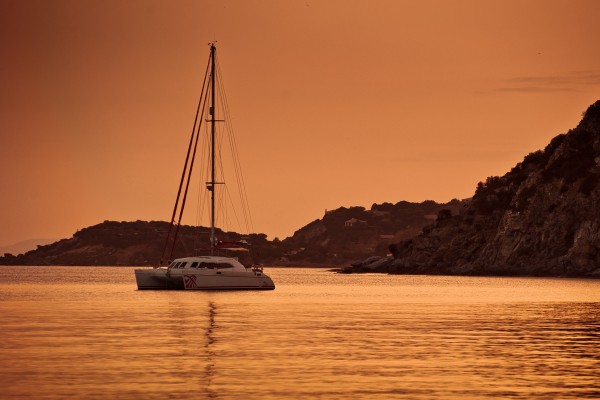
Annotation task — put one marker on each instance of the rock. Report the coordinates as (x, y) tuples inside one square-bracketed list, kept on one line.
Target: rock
[(380, 265), (542, 218), (371, 264)]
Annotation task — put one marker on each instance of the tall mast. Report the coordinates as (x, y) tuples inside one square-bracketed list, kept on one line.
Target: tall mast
[(212, 153)]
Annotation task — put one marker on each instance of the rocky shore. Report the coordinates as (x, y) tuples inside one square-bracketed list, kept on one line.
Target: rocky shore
[(542, 218)]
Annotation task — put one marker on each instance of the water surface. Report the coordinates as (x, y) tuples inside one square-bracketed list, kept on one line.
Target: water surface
[(86, 332)]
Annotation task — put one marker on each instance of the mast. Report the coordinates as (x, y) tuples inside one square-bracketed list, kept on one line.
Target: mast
[(212, 152)]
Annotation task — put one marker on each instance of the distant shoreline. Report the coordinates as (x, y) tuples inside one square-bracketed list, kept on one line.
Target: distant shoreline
[(337, 270)]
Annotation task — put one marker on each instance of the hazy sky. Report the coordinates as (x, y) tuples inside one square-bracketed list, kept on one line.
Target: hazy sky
[(334, 103)]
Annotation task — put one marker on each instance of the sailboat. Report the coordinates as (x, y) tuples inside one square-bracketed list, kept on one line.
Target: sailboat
[(213, 271)]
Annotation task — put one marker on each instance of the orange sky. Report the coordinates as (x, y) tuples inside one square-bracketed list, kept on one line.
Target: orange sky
[(333, 102)]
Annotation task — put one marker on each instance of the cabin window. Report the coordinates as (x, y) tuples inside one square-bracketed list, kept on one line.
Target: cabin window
[(194, 265), (172, 265), (182, 265), (211, 265)]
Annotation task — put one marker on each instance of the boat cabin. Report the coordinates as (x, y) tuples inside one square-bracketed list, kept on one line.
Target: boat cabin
[(207, 262)]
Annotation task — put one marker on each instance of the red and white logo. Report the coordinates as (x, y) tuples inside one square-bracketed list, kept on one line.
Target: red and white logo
[(189, 281)]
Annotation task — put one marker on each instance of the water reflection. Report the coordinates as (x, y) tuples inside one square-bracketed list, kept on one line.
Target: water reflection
[(210, 355), (92, 335)]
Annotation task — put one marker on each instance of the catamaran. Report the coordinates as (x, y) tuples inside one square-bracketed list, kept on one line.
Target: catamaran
[(214, 271)]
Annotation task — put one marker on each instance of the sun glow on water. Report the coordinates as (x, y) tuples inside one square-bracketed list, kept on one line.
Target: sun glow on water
[(85, 332)]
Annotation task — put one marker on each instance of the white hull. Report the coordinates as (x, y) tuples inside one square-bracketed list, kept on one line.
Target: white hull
[(152, 278), (178, 279)]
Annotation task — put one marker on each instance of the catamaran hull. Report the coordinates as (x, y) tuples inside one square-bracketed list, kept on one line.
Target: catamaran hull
[(152, 279), (162, 279)]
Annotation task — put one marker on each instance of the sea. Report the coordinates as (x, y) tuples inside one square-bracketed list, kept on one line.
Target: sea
[(87, 333)]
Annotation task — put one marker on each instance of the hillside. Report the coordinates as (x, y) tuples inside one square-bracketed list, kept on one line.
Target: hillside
[(342, 235), (125, 243), (542, 218), (346, 234)]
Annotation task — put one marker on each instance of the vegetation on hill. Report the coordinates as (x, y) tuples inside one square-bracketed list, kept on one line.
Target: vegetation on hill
[(126, 243), (345, 234), (541, 218), (340, 236)]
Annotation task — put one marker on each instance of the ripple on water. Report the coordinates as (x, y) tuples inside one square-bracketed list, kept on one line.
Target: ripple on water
[(83, 332)]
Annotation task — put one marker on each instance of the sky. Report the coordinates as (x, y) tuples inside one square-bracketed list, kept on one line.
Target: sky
[(334, 103)]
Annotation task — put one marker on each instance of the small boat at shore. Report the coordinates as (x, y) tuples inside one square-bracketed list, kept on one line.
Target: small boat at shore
[(214, 271)]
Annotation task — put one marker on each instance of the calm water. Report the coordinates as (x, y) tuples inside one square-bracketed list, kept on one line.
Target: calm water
[(86, 332)]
